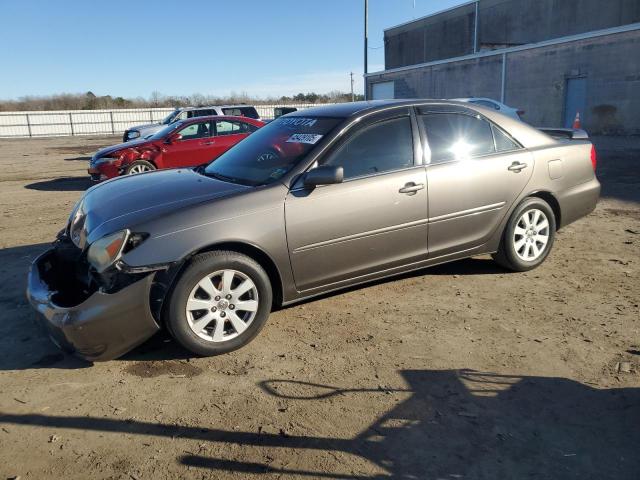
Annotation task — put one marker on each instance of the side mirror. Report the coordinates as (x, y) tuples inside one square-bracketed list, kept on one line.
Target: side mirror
[(325, 175), (173, 138)]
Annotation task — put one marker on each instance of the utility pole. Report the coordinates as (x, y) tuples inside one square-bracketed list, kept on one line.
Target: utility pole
[(366, 45), (352, 97)]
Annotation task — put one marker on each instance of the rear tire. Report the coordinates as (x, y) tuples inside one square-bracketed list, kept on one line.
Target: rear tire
[(528, 236), (220, 303), (140, 166)]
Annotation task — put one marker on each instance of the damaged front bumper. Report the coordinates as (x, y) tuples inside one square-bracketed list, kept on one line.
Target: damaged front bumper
[(95, 326)]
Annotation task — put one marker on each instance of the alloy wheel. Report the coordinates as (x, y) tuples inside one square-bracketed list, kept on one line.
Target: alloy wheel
[(139, 169), (222, 305), (531, 235)]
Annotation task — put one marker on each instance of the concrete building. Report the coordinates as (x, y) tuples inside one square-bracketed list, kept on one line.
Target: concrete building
[(551, 58)]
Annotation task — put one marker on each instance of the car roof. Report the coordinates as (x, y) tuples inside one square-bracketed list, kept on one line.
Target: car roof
[(527, 135), (206, 107), (468, 99), (349, 109), (218, 117)]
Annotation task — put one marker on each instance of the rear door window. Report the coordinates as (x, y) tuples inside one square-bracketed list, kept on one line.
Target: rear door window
[(249, 112), (230, 127), (382, 147), (455, 136)]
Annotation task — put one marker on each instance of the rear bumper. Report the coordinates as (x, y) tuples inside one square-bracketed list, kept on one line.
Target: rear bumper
[(578, 201), (102, 327)]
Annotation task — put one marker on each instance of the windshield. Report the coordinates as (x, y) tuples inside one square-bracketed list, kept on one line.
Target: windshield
[(269, 153), (160, 134), (169, 118)]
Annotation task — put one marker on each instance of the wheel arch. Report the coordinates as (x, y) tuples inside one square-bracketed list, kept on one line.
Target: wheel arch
[(553, 203), (165, 281), (151, 157), (252, 251), (144, 158)]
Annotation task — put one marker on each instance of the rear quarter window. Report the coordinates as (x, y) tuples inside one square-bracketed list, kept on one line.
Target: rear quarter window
[(504, 143)]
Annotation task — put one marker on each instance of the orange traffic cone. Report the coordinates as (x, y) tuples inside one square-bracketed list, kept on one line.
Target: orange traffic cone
[(576, 122)]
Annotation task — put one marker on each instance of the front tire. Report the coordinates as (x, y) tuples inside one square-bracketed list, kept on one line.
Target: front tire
[(220, 303), (140, 166), (528, 236)]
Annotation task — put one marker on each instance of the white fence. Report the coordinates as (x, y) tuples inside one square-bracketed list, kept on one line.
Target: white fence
[(93, 122)]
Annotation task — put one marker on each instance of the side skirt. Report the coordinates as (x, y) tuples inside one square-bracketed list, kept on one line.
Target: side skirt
[(362, 280)]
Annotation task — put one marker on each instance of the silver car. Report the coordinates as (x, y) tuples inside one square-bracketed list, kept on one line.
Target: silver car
[(144, 131), (516, 113), (314, 202)]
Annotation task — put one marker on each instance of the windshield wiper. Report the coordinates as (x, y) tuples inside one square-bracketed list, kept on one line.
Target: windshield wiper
[(219, 176)]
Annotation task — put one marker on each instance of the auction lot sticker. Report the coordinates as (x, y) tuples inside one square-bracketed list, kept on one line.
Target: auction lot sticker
[(310, 138)]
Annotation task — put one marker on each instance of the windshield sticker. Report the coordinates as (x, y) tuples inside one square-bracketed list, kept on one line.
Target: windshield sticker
[(310, 138), (298, 122)]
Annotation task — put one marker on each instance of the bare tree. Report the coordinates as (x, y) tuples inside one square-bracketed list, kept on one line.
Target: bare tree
[(91, 101)]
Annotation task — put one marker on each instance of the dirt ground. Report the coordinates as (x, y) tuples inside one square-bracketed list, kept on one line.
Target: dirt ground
[(462, 371)]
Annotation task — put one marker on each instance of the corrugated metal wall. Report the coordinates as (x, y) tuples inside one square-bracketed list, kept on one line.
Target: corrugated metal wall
[(501, 23), (536, 81)]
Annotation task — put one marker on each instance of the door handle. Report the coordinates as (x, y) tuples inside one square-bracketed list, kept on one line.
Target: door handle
[(516, 167), (411, 188), (209, 143)]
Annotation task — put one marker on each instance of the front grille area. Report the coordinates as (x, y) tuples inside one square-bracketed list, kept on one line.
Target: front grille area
[(66, 272)]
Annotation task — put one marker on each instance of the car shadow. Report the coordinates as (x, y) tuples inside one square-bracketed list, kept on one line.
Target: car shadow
[(25, 345), (465, 267), (468, 266), (63, 184), (445, 424), (160, 347), (81, 158)]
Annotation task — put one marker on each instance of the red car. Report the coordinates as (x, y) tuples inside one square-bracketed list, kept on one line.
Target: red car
[(186, 143)]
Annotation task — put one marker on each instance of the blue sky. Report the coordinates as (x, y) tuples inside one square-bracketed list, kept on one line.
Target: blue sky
[(132, 48)]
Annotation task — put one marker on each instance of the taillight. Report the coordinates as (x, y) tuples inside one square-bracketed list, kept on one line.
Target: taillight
[(594, 157)]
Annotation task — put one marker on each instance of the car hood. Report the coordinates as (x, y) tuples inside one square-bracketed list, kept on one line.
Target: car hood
[(114, 148), (126, 201), (145, 126)]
